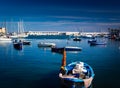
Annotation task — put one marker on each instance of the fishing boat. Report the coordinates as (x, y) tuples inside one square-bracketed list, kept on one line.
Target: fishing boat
[(17, 44), (26, 42), (72, 48), (57, 49), (76, 39), (98, 43), (76, 74), (46, 44), (67, 48), (92, 40)]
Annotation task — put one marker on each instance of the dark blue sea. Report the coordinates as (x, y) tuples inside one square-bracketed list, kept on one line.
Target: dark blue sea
[(35, 67)]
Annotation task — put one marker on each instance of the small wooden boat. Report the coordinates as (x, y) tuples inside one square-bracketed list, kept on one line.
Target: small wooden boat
[(76, 39), (67, 48), (76, 74), (46, 44)]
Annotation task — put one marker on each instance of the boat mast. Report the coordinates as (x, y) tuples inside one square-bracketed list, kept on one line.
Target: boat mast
[(18, 28), (64, 59)]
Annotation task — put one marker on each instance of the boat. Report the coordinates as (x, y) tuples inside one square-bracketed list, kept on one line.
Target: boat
[(72, 48), (98, 43), (67, 48), (92, 40), (46, 44), (87, 36), (57, 49), (76, 74), (76, 39), (18, 44), (26, 42), (5, 38)]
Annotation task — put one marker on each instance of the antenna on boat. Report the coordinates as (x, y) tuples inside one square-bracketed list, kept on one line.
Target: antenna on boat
[(64, 58)]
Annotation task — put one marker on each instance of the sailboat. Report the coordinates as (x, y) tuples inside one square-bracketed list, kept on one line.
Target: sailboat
[(21, 33)]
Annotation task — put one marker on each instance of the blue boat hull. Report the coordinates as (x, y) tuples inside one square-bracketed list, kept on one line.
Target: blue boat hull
[(97, 43), (73, 49)]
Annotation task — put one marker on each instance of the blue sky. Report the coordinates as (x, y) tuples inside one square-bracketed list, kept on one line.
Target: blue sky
[(61, 15)]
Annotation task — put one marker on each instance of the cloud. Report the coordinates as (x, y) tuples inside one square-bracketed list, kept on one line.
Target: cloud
[(108, 24), (71, 17), (103, 11)]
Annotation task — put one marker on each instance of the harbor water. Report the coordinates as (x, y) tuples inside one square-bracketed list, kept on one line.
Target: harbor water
[(35, 67)]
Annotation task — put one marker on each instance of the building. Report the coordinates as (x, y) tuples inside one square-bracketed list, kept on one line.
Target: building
[(52, 33), (65, 33), (2, 30)]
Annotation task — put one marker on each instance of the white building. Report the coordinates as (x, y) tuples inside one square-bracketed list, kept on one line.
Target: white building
[(52, 33), (64, 33)]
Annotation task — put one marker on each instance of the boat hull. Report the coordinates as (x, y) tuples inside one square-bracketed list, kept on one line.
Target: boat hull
[(58, 50), (76, 39), (72, 49), (97, 43), (89, 41), (5, 39), (26, 43), (46, 44)]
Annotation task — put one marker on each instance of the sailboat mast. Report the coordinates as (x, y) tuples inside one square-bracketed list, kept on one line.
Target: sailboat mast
[(18, 28), (22, 27)]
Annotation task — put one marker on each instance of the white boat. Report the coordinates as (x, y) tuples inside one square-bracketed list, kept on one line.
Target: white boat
[(46, 44), (5, 38), (22, 35), (87, 36)]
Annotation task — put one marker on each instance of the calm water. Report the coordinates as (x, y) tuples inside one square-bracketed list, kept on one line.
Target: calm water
[(35, 67)]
